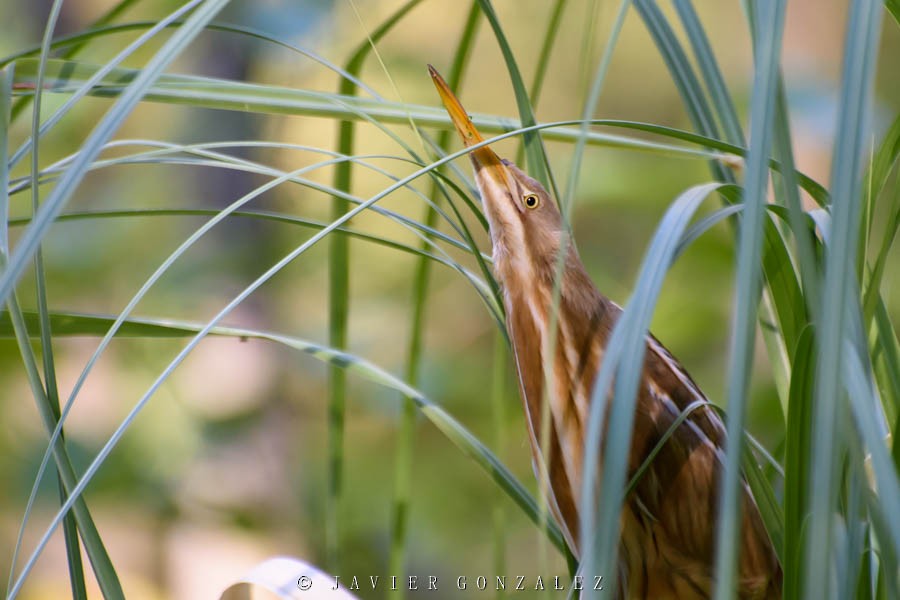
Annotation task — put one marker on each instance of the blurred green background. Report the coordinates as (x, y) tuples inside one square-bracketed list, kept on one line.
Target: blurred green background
[(227, 464)]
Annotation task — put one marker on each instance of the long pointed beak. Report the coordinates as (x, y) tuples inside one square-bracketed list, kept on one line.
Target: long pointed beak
[(486, 161)]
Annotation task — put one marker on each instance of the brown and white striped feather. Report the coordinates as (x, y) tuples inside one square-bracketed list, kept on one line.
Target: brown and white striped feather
[(668, 533)]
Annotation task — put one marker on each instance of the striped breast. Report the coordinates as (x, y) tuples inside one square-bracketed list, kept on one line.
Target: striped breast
[(668, 523)]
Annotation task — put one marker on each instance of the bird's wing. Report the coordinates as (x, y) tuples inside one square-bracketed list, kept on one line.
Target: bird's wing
[(676, 500)]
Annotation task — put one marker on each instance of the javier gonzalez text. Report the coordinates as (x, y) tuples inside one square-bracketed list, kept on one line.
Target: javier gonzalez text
[(468, 583)]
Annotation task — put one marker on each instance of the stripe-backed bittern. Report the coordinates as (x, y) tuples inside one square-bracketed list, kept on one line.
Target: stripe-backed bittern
[(667, 528)]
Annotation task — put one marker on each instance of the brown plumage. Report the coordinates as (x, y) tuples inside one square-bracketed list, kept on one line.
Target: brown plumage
[(668, 523)]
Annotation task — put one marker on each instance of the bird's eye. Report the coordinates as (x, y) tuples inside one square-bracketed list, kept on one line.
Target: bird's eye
[(532, 201)]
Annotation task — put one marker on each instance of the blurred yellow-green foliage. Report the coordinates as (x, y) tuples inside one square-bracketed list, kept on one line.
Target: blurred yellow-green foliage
[(227, 464)]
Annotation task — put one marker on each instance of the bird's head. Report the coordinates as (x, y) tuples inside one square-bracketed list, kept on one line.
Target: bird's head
[(526, 227)]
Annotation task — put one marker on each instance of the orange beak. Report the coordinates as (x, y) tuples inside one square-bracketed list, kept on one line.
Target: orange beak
[(483, 158)]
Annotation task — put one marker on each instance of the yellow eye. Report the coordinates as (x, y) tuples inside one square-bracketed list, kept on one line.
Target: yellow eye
[(532, 201)]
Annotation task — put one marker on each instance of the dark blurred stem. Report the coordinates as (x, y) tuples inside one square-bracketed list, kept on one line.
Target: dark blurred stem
[(339, 301), (338, 290)]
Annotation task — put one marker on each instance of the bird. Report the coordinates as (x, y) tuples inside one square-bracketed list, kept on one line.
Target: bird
[(667, 529)]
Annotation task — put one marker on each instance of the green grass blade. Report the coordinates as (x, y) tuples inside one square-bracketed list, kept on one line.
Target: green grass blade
[(590, 107), (712, 75), (78, 39), (663, 439), (441, 259), (87, 86), (103, 568), (498, 417), (886, 359), (885, 157), (622, 363), (747, 292), (789, 191), (223, 94), (893, 7), (769, 509), (536, 157), (57, 199), (113, 13), (879, 172), (338, 294), (798, 452), (107, 17), (683, 75), (101, 457), (6, 82), (421, 276), (76, 324), (886, 481), (840, 282), (70, 532), (540, 70)]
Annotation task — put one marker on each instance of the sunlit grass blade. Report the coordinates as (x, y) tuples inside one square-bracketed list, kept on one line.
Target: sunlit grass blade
[(840, 282)]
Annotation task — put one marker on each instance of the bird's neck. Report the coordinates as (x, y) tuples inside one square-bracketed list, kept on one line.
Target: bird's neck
[(558, 368), (568, 352)]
